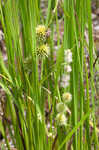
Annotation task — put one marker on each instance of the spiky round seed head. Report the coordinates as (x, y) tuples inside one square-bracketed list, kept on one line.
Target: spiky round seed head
[(67, 97), (43, 50), (60, 107), (41, 29), (61, 119), (41, 33)]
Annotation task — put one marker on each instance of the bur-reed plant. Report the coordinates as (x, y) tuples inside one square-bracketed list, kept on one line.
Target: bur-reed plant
[(45, 94)]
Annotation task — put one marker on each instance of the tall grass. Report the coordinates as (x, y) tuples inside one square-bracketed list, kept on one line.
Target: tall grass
[(31, 84)]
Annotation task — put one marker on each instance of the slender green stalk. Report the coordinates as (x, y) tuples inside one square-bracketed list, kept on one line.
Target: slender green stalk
[(91, 65)]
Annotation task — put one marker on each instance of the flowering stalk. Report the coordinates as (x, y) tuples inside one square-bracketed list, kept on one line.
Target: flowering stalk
[(67, 68)]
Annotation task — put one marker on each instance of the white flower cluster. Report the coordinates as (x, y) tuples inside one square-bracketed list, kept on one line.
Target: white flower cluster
[(65, 81), (68, 56), (67, 68)]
